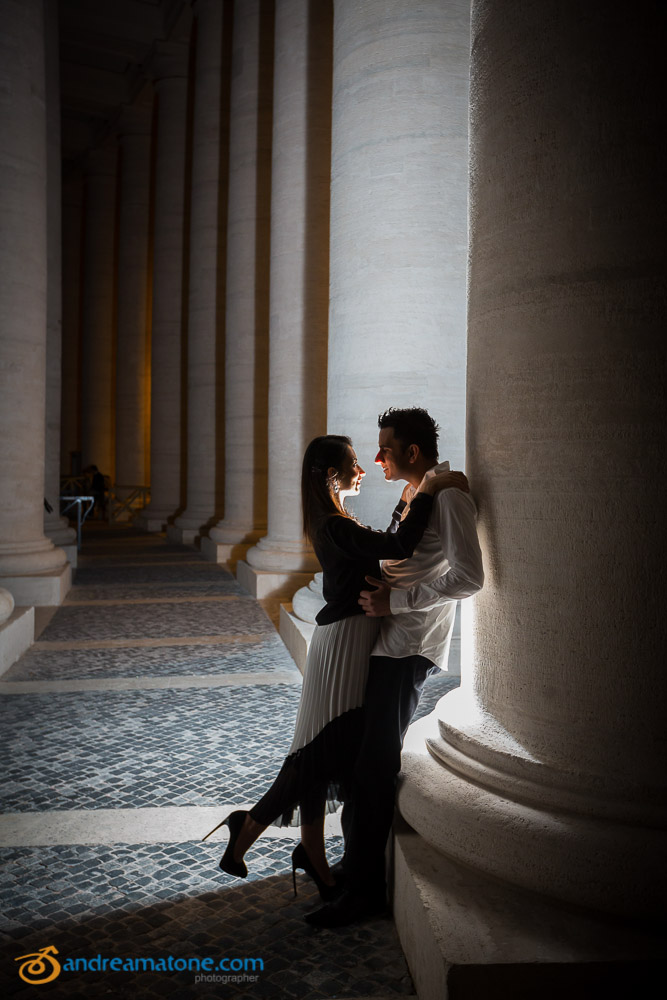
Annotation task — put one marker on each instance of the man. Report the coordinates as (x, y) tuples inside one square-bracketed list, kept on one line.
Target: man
[(417, 598)]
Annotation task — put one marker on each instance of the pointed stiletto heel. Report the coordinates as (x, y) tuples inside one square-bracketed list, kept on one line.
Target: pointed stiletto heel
[(222, 823), (301, 860), (228, 864)]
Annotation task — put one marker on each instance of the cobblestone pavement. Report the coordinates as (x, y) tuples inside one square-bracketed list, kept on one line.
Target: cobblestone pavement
[(212, 733)]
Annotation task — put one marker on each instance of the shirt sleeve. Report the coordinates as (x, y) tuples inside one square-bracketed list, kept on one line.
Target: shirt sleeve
[(454, 520), (356, 541)]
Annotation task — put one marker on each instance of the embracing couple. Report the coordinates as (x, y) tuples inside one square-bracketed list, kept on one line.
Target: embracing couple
[(369, 656)]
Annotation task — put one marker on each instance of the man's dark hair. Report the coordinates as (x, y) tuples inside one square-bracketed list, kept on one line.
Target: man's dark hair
[(412, 426)]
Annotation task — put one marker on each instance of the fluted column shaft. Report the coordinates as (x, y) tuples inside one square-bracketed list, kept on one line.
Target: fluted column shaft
[(24, 549), (247, 286), (206, 307), (99, 311), (55, 526), (553, 750), (170, 73), (299, 269), (134, 296), (398, 224)]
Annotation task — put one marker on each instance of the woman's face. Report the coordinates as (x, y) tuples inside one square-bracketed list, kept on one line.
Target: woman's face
[(350, 475)]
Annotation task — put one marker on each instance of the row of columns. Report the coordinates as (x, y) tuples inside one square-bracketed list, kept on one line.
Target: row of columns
[(169, 66), (545, 769), (206, 299), (32, 569)]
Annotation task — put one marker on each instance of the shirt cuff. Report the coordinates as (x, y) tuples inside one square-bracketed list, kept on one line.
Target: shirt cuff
[(398, 601)]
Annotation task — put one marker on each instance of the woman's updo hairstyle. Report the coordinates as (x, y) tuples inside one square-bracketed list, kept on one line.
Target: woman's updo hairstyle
[(317, 496)]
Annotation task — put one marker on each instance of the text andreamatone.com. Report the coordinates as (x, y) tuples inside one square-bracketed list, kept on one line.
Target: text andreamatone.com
[(168, 963)]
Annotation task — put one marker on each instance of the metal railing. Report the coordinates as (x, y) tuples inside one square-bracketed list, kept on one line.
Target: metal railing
[(83, 505), (118, 503), (125, 502)]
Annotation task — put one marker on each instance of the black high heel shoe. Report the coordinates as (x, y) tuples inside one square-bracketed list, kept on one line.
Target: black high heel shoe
[(235, 822), (301, 860)]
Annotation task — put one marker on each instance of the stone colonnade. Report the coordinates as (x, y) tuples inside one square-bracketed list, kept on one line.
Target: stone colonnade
[(308, 250)]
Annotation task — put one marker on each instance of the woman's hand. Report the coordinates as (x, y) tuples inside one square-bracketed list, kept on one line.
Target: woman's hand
[(445, 481)]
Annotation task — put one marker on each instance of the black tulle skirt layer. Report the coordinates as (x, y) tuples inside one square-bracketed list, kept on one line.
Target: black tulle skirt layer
[(313, 780), (318, 769)]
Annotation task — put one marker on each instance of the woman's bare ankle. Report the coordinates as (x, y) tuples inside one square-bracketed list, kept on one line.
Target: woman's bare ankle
[(248, 834)]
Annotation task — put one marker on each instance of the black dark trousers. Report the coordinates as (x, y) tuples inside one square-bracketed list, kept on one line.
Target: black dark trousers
[(392, 696)]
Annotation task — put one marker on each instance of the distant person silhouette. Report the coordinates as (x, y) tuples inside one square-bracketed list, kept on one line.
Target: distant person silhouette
[(98, 489)]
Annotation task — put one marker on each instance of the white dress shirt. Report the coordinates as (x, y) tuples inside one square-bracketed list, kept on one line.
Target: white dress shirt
[(445, 567)]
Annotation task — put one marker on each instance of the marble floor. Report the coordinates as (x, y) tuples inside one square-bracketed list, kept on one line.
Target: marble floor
[(156, 698)]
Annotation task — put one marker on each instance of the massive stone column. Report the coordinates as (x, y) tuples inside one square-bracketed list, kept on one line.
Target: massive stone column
[(299, 293), (17, 630), (134, 294), (31, 568), (547, 768), (398, 224), (398, 232), (99, 310), (55, 527), (206, 308), (247, 285), (169, 66), (72, 237)]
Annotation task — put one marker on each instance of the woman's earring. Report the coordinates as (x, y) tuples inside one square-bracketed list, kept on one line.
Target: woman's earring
[(332, 482)]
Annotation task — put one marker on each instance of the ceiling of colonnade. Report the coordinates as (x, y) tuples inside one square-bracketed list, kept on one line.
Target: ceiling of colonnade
[(104, 48)]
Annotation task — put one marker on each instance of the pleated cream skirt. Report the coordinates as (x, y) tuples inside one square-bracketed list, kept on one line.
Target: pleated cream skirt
[(334, 680)]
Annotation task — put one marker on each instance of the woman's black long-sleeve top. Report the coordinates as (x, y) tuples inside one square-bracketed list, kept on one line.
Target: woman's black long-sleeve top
[(348, 552)]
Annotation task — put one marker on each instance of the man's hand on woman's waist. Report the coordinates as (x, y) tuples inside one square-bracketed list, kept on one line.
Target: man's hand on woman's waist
[(376, 603)]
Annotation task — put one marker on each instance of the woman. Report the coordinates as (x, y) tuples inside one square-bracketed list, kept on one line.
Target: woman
[(329, 720)]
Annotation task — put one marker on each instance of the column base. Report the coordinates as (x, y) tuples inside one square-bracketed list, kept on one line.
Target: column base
[(151, 523), (278, 556), (229, 553), (40, 589), (468, 936), (16, 636), (72, 554), (60, 533), (267, 583), (296, 634), (182, 536), (518, 821), (309, 601)]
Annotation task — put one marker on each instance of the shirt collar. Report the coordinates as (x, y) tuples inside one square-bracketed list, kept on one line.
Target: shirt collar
[(441, 467)]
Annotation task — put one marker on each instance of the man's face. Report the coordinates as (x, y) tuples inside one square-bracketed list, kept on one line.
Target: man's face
[(391, 457)]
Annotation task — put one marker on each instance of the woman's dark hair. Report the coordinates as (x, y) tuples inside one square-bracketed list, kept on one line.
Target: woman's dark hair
[(412, 426), (323, 453)]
